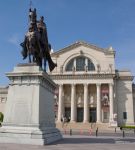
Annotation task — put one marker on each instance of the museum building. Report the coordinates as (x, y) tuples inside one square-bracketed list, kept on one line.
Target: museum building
[(90, 88)]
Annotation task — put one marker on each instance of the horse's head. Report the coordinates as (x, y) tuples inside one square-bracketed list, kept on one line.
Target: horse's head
[(32, 15)]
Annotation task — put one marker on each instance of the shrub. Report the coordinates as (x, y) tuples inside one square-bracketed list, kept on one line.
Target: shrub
[(1, 117), (127, 127)]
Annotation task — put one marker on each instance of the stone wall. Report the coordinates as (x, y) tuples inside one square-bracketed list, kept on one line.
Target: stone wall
[(125, 102), (3, 98)]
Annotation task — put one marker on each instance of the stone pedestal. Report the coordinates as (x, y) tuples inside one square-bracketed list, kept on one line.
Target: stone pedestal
[(29, 116)]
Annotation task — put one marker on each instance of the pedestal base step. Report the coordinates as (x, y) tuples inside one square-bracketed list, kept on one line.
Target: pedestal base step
[(29, 135)]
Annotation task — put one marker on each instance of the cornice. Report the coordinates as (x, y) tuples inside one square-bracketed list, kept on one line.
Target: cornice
[(81, 43), (125, 78)]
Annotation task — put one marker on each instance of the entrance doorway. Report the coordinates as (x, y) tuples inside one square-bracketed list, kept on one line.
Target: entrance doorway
[(67, 112), (79, 114), (93, 116)]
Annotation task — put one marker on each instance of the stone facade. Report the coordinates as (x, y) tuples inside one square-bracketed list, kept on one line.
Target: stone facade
[(90, 88), (134, 99)]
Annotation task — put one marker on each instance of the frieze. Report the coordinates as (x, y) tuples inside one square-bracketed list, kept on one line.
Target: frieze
[(32, 80), (3, 91), (24, 80), (85, 76)]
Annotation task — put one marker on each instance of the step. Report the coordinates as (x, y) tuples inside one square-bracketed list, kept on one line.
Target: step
[(78, 126)]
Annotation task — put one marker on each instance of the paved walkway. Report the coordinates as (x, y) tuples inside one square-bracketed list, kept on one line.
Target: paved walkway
[(80, 142)]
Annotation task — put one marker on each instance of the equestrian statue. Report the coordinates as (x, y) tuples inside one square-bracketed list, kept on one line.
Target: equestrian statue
[(35, 45)]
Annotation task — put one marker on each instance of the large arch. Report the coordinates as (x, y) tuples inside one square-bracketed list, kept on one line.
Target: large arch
[(92, 62)]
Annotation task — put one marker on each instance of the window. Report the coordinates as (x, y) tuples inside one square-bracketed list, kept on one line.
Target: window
[(70, 65), (124, 115), (80, 63), (91, 66)]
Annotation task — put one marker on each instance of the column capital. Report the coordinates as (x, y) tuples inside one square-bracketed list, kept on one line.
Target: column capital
[(73, 84), (60, 85), (111, 84), (98, 84), (85, 84)]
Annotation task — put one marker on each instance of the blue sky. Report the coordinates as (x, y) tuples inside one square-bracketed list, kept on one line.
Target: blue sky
[(100, 22)]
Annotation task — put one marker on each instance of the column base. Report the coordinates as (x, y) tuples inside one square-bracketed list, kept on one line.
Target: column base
[(72, 121), (58, 121), (86, 121), (99, 122)]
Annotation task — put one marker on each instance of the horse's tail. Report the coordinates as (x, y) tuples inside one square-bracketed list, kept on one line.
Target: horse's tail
[(51, 64)]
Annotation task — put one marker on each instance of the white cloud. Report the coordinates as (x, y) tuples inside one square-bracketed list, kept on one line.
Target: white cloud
[(14, 39)]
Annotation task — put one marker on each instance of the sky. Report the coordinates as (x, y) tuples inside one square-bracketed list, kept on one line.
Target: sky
[(103, 23)]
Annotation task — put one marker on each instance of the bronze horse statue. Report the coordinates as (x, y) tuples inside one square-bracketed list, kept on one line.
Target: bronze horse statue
[(36, 45), (30, 47)]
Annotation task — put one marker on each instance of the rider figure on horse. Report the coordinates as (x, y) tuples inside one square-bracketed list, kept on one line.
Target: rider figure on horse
[(36, 42)]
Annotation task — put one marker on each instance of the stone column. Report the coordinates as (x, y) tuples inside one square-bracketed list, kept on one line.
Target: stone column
[(86, 104), (73, 104), (60, 103), (98, 103), (111, 101)]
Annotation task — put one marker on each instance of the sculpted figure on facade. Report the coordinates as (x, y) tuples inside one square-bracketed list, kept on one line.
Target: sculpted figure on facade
[(105, 100), (91, 99), (35, 44)]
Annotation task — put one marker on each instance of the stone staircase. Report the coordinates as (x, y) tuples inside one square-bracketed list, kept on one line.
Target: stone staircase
[(85, 126)]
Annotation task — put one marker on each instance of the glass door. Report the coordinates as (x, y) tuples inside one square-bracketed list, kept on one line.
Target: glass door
[(79, 114), (93, 116)]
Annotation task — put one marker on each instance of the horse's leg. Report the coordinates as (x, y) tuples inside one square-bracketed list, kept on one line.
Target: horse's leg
[(44, 64), (40, 62), (33, 58), (29, 58)]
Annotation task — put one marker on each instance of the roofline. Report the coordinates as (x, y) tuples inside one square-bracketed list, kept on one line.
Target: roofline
[(79, 43)]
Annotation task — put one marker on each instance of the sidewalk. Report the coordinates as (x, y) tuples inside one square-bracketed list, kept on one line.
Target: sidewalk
[(80, 142), (86, 132)]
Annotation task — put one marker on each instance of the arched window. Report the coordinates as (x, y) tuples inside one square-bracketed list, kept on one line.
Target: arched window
[(70, 65), (91, 65), (80, 63)]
